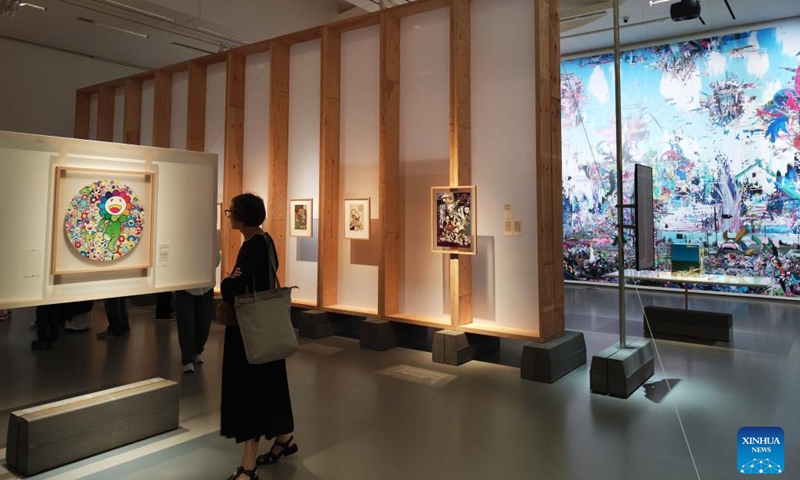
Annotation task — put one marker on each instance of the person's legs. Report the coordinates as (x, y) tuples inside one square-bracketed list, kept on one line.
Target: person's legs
[(164, 310), (204, 312), (185, 311), (249, 454), (123, 310), (47, 325), (114, 315)]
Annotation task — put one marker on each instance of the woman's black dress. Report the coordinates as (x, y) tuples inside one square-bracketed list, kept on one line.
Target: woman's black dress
[(255, 398)]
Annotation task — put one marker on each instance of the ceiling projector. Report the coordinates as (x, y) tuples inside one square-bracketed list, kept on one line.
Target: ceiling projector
[(685, 10)]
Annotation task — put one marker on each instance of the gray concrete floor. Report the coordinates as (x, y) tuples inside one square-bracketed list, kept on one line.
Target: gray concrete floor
[(477, 421)]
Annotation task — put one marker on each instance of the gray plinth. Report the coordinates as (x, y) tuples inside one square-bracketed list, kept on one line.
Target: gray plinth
[(319, 324), (547, 362), (456, 348), (620, 371), (678, 322), (382, 335), (55, 434)]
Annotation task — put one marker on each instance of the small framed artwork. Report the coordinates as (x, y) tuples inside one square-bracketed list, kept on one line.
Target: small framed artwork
[(301, 218), (453, 218), (356, 218), (103, 220)]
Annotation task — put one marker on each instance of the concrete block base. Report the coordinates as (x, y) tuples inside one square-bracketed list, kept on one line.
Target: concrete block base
[(620, 371), (382, 335), (58, 433), (547, 362), (679, 322), (319, 324), (455, 348)]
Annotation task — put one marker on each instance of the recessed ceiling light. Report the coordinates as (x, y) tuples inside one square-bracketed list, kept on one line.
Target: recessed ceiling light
[(656, 2)]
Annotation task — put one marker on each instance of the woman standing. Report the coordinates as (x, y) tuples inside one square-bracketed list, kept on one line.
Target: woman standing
[(255, 398)]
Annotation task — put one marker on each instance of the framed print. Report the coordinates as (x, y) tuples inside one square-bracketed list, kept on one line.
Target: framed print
[(453, 218), (356, 218), (102, 220), (301, 218)]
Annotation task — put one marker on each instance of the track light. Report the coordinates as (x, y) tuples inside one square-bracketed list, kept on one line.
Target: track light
[(112, 27)]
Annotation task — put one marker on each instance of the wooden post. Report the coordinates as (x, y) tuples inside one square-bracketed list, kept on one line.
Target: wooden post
[(549, 234), (132, 120), (460, 150), (162, 110), (105, 114), (83, 114), (196, 112), (234, 151), (389, 145), (328, 265), (278, 170)]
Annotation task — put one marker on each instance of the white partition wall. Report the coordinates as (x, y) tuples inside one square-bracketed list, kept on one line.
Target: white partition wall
[(148, 106), (93, 117), (504, 276), (177, 246), (358, 163), (424, 156), (180, 105), (304, 104), (215, 116), (256, 125), (119, 113)]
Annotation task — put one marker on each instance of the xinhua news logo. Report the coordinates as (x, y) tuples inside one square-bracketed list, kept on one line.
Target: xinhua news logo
[(760, 450)]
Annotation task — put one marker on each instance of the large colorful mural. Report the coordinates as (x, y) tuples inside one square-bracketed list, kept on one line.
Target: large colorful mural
[(718, 119)]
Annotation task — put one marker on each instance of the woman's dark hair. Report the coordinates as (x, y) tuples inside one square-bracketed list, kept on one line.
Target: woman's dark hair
[(248, 209)]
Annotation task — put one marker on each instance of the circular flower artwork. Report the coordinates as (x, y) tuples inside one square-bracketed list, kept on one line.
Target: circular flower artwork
[(104, 221)]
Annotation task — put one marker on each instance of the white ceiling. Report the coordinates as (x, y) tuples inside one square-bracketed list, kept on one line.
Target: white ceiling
[(191, 23)]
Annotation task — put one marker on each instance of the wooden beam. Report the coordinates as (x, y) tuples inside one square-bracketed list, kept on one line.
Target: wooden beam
[(460, 150), (278, 170), (234, 151), (162, 110), (302, 36), (132, 120), (355, 23), (196, 111), (328, 264), (416, 8), (549, 235), (389, 146), (105, 113), (83, 114)]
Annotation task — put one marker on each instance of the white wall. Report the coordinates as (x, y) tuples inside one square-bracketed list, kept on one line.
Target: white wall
[(359, 162), (256, 125), (215, 116), (504, 274), (180, 110), (148, 108), (304, 104), (181, 221), (424, 156), (37, 87), (119, 114)]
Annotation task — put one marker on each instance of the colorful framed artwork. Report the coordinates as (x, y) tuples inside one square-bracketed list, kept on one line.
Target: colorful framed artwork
[(356, 218), (102, 220), (453, 217), (301, 218)]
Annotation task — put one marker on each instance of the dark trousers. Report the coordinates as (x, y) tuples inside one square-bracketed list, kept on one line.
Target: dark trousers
[(48, 323), (164, 305), (194, 313), (50, 318), (117, 314)]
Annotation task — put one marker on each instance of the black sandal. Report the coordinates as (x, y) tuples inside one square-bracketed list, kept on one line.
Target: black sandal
[(241, 471), (269, 458)]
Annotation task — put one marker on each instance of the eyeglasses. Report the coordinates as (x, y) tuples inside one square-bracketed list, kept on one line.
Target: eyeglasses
[(228, 213)]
